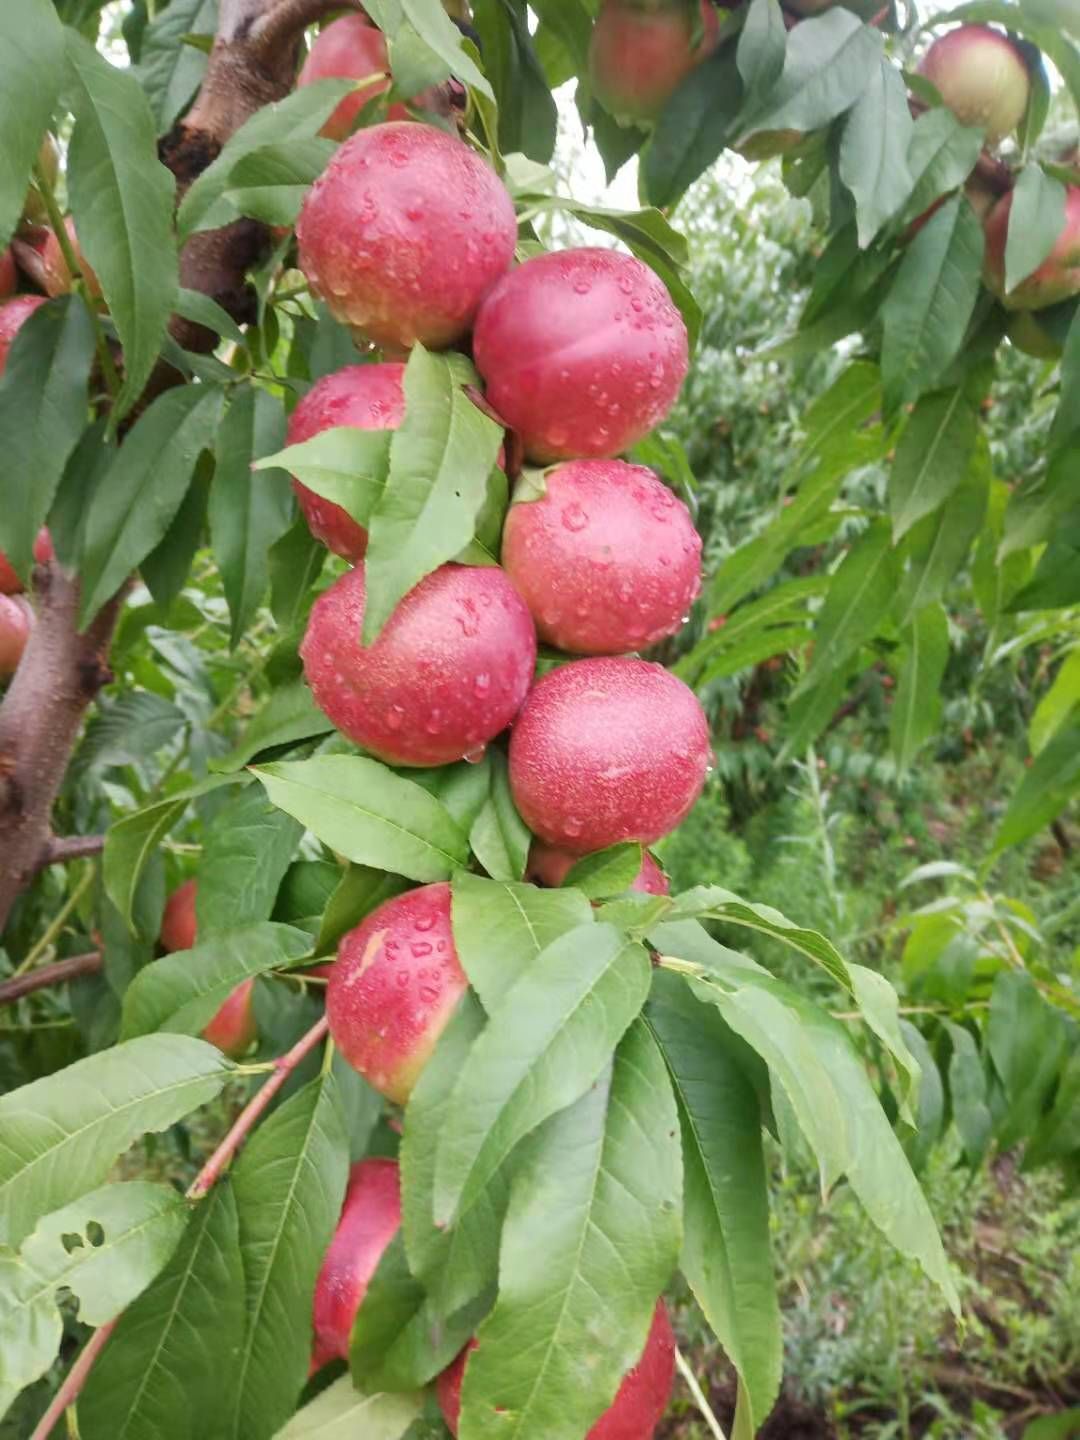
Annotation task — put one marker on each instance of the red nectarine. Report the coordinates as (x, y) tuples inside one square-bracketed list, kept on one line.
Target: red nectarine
[(641, 50), (550, 867), (982, 78), (1056, 279), (16, 622), (354, 49)]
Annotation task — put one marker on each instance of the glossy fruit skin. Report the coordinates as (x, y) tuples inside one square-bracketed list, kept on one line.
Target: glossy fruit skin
[(370, 1218), (55, 278), (640, 1400), (351, 48), (9, 275), (981, 77), (10, 584), (582, 352), (232, 1028), (16, 622), (13, 316), (448, 672), (367, 397), (607, 750), (403, 234), (550, 867), (396, 982), (1056, 279), (639, 53), (607, 561)]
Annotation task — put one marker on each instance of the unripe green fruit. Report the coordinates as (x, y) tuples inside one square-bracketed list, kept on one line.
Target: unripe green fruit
[(981, 77)]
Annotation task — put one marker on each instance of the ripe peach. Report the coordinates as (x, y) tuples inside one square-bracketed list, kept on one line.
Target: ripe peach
[(640, 1400), (395, 985), (1056, 279), (46, 265), (582, 352), (608, 560), (982, 78), (640, 51), (352, 48), (16, 622), (13, 316), (448, 671), (607, 750), (9, 275), (367, 397), (403, 234), (550, 867), (370, 1218), (232, 1028)]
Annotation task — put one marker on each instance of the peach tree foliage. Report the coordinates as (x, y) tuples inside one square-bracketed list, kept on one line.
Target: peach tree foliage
[(610, 1051)]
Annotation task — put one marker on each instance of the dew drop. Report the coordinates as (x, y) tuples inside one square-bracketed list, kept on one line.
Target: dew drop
[(429, 993), (574, 517), (573, 827), (474, 756), (424, 922), (582, 286), (482, 684), (395, 717)]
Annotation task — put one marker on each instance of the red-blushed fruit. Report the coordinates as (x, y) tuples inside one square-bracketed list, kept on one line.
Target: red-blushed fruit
[(607, 560), (10, 584), (16, 622), (232, 1028), (981, 77), (370, 1218), (44, 262), (607, 750), (404, 232), (640, 1400), (393, 988), (13, 316), (449, 669), (9, 275), (43, 547), (550, 867), (582, 352), (366, 397), (1056, 279), (353, 49), (641, 50)]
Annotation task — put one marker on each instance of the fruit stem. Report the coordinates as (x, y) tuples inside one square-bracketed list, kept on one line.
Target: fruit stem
[(680, 967), (698, 1395), (53, 930)]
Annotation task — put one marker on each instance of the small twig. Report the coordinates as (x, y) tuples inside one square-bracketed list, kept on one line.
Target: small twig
[(57, 973), (287, 19), (207, 1177), (698, 1395), (59, 849), (76, 1379), (60, 919)]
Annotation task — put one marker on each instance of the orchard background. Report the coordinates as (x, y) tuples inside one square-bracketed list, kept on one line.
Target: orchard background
[(370, 981)]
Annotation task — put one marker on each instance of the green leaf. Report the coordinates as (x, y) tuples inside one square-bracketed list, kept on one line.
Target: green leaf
[(1058, 703), (933, 456), (813, 1059), (128, 731), (130, 842), (359, 891), (762, 46), (1027, 1039), (122, 200), (42, 413), (142, 490), (696, 124), (181, 993), (289, 1184), (169, 71), (498, 837), (289, 715), (344, 465), (606, 873), (880, 1008), (104, 1248), (941, 155), (270, 183), (874, 148), (939, 545), (500, 928), (528, 117), (595, 1209), (860, 595), (917, 708), (340, 1412), (245, 855), (726, 1255), (1036, 221), (60, 1135), (714, 903), (830, 61), (763, 624), (31, 71), (1040, 503), (438, 32), (298, 117), (440, 458), (1066, 425), (967, 1090), (163, 1362), (1047, 787), (247, 512), (363, 811), (931, 302), (545, 1043)]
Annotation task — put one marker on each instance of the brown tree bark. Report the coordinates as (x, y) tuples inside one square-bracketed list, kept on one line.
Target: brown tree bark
[(252, 64)]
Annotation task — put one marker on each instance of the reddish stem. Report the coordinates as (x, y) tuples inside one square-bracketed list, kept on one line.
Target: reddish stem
[(207, 1177)]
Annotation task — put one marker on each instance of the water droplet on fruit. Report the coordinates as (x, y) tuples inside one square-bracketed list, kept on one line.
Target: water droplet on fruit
[(482, 684), (574, 517), (474, 756), (401, 979), (573, 827), (395, 717), (435, 723), (582, 286), (419, 949), (424, 922), (429, 993)]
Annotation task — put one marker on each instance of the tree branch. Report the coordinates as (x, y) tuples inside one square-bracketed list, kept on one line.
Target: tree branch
[(284, 23), (57, 973), (206, 1179), (62, 848)]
